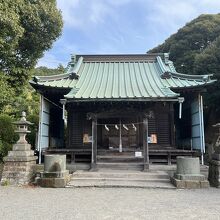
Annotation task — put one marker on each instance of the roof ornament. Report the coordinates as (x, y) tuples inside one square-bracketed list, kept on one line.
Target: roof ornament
[(165, 73), (74, 67), (36, 79), (166, 58), (206, 78), (73, 59), (73, 75)]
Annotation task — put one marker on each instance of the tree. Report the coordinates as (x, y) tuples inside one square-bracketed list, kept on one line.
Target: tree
[(28, 28), (191, 41), (195, 49), (7, 93), (45, 71)]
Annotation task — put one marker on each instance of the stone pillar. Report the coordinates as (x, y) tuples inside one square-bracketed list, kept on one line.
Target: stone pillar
[(19, 164), (55, 174), (188, 174)]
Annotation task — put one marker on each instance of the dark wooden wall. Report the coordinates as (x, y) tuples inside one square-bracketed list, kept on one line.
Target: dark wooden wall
[(162, 125), (56, 129)]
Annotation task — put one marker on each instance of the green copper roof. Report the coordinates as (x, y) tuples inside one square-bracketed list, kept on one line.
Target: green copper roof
[(116, 77)]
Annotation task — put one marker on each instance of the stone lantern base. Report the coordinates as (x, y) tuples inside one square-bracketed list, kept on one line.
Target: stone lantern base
[(214, 171), (19, 165)]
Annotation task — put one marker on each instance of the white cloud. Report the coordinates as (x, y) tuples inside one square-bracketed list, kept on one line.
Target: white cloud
[(166, 17), (117, 26), (84, 14), (171, 14), (208, 5), (119, 2)]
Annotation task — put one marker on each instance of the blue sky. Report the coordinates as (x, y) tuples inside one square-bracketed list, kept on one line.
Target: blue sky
[(120, 26)]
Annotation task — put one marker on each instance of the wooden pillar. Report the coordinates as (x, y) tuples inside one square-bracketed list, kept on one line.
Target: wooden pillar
[(94, 143), (140, 133), (145, 144), (172, 131)]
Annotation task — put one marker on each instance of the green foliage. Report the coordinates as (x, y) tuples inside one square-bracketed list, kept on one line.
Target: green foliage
[(7, 129), (27, 100), (6, 93), (5, 183), (190, 41), (4, 148), (28, 28), (34, 118), (45, 71), (195, 49), (7, 135)]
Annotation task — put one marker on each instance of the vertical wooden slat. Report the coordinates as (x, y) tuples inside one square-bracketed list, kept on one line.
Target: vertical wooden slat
[(163, 128)]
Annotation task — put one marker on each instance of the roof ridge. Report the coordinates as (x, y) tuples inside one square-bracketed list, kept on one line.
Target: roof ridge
[(71, 72), (51, 77), (119, 57), (167, 73)]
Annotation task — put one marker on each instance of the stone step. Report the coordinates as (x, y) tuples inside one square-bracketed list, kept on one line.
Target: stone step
[(118, 159), (119, 179), (125, 175), (121, 184), (120, 166)]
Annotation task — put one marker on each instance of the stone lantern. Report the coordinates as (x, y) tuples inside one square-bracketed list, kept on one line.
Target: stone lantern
[(19, 164), (22, 129)]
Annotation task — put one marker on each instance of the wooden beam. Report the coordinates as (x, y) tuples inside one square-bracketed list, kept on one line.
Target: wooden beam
[(145, 144)]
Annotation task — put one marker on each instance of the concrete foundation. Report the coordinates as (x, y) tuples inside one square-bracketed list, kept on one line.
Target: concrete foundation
[(188, 175)]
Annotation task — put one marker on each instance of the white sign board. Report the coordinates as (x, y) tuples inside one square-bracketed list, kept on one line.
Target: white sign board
[(138, 154)]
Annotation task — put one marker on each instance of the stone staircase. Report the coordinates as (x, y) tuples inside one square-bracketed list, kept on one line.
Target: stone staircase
[(121, 178), (134, 166)]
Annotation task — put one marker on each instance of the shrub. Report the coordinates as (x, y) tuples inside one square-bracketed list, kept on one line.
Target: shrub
[(4, 148), (7, 135)]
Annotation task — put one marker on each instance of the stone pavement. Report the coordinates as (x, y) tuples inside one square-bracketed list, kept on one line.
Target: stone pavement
[(108, 203)]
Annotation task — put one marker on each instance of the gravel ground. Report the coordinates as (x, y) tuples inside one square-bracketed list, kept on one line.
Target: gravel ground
[(103, 203)]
